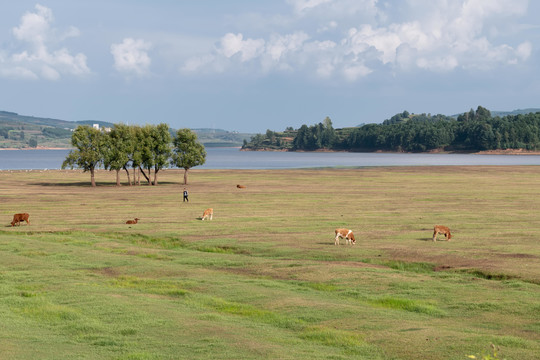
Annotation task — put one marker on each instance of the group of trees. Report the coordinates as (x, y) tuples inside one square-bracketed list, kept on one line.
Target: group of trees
[(10, 132), (143, 149), (471, 131), (320, 136)]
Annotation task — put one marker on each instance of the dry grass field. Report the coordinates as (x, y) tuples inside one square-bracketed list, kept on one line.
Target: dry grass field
[(264, 279)]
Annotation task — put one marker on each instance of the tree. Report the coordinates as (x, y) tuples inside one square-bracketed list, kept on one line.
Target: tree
[(328, 134), (187, 151), (482, 114), (161, 150), (119, 146), (136, 155), (88, 153), (145, 148)]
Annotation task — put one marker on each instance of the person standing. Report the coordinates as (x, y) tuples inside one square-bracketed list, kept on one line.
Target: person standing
[(186, 195)]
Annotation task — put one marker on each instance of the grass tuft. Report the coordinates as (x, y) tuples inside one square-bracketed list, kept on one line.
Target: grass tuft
[(409, 305), (416, 267), (150, 286)]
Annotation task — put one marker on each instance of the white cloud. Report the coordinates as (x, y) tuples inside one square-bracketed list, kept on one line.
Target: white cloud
[(302, 5), (232, 44), (524, 50), (37, 62), (279, 46), (425, 35), (131, 57), (34, 26)]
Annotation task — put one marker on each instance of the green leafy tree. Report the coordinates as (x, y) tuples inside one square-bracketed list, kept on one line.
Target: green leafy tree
[(88, 153), (119, 146), (187, 151), (161, 149), (328, 136), (482, 114), (145, 146), (136, 155)]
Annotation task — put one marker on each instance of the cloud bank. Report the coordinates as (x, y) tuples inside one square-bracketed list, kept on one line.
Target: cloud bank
[(35, 36), (416, 35)]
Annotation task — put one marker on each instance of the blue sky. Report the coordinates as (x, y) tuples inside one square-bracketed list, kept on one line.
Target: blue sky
[(249, 66)]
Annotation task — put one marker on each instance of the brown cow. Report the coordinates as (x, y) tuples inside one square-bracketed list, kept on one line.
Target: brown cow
[(207, 214), (240, 186), (439, 229), (17, 218), (346, 234), (132, 221)]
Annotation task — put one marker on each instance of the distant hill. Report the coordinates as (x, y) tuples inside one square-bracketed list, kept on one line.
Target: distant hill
[(21, 131), (495, 113), (514, 112)]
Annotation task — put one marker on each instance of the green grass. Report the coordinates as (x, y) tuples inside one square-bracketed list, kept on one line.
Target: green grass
[(264, 279)]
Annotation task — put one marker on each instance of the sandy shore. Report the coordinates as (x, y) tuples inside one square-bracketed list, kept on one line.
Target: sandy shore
[(509, 152)]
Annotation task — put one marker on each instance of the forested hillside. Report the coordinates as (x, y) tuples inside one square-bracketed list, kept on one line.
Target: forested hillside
[(20, 131), (471, 131)]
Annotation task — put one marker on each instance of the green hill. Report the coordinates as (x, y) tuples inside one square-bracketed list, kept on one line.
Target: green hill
[(21, 131), (495, 113)]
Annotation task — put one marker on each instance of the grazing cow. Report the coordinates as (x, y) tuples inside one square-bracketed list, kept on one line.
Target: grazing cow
[(439, 229), (240, 186), (207, 214), (134, 221), (18, 218), (346, 234)]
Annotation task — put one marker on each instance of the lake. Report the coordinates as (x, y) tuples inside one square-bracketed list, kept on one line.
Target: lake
[(233, 158)]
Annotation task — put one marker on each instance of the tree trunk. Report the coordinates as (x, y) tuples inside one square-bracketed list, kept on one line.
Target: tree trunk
[(155, 176), (118, 177), (144, 174), (127, 172), (92, 177), (185, 175)]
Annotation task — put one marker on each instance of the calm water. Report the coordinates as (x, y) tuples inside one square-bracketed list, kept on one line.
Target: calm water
[(232, 158)]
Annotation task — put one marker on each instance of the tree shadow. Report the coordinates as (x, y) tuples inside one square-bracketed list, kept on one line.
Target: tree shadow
[(87, 184)]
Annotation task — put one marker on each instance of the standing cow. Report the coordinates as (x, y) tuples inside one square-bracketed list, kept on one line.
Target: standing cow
[(440, 229), (18, 218), (346, 234)]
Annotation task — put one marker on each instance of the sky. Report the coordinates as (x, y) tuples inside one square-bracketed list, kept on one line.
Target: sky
[(249, 66)]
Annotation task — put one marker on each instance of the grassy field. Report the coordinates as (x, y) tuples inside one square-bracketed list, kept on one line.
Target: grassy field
[(264, 280)]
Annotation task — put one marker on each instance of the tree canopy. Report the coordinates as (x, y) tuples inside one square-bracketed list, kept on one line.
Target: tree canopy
[(188, 152), (474, 130), (88, 153), (146, 148)]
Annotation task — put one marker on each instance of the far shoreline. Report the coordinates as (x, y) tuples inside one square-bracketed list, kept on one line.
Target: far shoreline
[(38, 148), (436, 151)]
